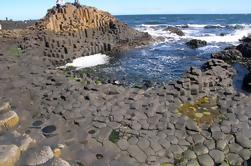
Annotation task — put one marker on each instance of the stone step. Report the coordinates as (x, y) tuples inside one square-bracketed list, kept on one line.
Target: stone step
[(9, 155), (9, 120), (5, 107)]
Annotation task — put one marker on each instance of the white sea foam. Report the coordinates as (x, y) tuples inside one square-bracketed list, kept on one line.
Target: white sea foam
[(230, 38), (195, 31), (88, 61)]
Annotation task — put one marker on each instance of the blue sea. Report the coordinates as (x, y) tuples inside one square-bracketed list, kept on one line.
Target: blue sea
[(168, 59)]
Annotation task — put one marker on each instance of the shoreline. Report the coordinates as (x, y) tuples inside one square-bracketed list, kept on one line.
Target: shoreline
[(75, 123)]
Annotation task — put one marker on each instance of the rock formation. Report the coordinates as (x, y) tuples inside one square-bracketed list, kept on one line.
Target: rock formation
[(72, 31), (175, 30), (194, 43)]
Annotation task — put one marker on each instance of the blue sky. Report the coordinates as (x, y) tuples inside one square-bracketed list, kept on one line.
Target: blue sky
[(34, 9)]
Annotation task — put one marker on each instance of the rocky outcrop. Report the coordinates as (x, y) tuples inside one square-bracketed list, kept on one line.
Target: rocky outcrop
[(228, 55), (194, 43), (247, 82), (245, 49), (175, 30), (71, 31)]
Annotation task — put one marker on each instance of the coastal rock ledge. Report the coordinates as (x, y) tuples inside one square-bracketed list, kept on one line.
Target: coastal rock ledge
[(70, 31)]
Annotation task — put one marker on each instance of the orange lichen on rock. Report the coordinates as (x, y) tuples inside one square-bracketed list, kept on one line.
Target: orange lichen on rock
[(203, 111)]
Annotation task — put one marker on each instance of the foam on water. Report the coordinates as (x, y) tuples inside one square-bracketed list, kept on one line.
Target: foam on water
[(88, 61), (230, 38), (197, 31)]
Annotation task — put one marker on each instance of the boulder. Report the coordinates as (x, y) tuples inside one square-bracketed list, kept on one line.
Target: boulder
[(246, 39), (175, 30), (228, 55), (245, 49), (247, 82), (194, 43)]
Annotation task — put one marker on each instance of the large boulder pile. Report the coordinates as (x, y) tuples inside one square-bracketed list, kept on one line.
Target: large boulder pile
[(72, 31)]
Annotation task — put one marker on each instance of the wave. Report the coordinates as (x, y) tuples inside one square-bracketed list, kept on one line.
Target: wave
[(231, 34), (88, 61), (233, 38)]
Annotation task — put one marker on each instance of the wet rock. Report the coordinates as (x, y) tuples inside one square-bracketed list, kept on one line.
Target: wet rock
[(175, 30), (194, 43), (247, 82), (245, 49), (228, 55), (37, 124), (49, 130), (38, 156), (9, 120), (246, 39), (9, 155)]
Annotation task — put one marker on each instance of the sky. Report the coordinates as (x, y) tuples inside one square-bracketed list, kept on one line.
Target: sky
[(36, 9)]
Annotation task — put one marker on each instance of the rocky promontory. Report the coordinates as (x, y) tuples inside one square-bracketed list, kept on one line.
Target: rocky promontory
[(71, 31), (49, 118)]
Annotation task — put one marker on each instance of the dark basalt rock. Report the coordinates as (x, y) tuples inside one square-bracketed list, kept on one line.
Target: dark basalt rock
[(194, 43), (245, 49), (247, 82), (246, 39), (175, 30), (213, 27), (228, 55)]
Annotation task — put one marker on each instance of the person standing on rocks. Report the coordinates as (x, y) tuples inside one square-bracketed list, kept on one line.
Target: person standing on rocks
[(77, 3), (60, 3)]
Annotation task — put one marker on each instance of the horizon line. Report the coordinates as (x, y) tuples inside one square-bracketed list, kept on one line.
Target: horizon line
[(10, 19)]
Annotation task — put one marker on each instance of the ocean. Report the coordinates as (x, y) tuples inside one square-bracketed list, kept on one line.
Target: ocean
[(169, 59)]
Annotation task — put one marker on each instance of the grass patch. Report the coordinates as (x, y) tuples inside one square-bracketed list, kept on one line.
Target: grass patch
[(114, 136), (15, 51), (203, 111)]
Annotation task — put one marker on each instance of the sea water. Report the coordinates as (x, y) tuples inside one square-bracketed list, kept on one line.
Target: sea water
[(168, 59)]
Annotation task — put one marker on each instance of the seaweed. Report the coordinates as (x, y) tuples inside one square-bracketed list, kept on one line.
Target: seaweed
[(114, 136)]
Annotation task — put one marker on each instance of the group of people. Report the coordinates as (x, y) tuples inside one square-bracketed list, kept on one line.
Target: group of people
[(61, 2)]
